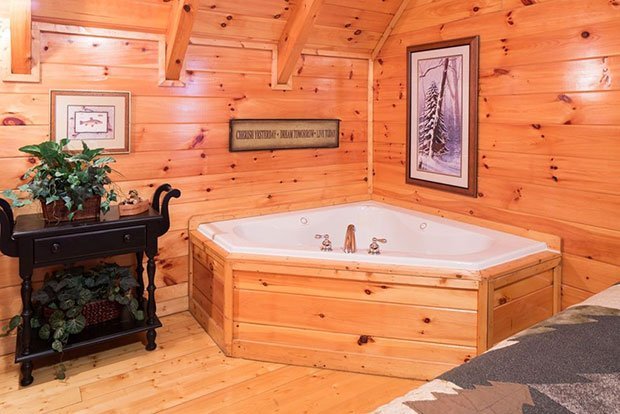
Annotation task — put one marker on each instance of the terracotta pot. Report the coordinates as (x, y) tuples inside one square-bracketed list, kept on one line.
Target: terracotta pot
[(57, 211)]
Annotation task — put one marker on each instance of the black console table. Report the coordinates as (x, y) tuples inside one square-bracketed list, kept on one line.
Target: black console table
[(38, 244)]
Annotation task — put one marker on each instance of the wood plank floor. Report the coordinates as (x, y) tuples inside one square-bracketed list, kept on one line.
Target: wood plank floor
[(189, 374)]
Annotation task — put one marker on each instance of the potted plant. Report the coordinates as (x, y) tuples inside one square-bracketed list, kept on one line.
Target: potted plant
[(74, 298), (70, 186)]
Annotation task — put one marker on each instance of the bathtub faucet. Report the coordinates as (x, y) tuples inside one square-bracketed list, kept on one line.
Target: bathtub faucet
[(349, 240)]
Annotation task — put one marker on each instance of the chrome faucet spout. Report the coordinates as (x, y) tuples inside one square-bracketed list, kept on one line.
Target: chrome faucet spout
[(349, 240)]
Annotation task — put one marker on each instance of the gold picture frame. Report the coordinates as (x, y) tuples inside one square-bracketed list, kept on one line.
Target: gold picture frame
[(101, 119)]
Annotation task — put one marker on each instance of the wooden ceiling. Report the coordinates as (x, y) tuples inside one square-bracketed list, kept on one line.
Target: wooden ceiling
[(287, 27), (345, 25), (352, 26)]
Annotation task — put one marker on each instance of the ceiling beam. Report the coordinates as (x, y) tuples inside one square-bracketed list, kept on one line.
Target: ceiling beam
[(21, 36), (179, 31), (294, 37), (390, 28)]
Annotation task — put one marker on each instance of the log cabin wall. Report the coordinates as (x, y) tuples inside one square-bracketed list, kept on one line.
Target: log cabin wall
[(180, 135), (549, 123), (548, 131)]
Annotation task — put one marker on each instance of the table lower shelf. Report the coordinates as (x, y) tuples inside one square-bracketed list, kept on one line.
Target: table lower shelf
[(91, 335)]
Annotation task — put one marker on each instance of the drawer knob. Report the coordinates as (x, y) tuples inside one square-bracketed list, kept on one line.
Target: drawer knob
[(55, 248), (127, 238)]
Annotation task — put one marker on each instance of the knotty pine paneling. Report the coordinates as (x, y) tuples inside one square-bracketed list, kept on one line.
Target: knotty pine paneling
[(180, 136), (265, 9), (378, 6), (549, 123), (340, 25), (139, 15), (237, 26), (354, 18)]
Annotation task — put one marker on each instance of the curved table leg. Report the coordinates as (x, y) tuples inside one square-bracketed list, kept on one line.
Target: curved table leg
[(151, 307), (26, 330), (140, 279)]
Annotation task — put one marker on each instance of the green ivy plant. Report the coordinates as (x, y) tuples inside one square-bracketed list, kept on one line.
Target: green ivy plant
[(66, 292), (70, 177)]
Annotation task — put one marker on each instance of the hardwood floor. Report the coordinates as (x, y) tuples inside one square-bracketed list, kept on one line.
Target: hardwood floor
[(189, 374)]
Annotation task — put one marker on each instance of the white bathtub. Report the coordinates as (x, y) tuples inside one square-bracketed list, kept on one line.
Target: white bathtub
[(413, 238)]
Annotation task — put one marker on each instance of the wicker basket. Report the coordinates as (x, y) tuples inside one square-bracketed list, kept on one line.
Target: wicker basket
[(101, 311), (57, 211), (96, 312)]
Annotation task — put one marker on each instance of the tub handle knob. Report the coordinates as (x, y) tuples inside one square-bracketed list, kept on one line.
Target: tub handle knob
[(374, 246), (326, 245)]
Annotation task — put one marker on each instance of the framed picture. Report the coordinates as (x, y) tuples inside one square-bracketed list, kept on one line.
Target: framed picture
[(442, 115), (270, 134), (101, 119)]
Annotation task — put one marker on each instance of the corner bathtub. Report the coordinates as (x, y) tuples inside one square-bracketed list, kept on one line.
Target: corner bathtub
[(413, 238), (440, 293)]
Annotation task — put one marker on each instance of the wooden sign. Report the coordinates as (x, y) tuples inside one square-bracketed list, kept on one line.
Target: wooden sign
[(267, 134)]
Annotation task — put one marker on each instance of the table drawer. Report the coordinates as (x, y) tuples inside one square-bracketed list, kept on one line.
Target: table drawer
[(101, 243)]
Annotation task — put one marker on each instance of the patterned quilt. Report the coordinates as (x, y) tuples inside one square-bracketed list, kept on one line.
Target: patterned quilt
[(569, 363)]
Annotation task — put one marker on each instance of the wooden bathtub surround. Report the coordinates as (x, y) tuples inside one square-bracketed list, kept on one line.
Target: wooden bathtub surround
[(389, 320), (516, 297)]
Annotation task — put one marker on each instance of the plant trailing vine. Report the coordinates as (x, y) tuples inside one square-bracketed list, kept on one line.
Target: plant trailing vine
[(64, 176), (59, 304)]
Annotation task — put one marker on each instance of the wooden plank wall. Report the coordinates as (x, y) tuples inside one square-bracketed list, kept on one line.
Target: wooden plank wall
[(548, 131), (180, 136), (549, 123)]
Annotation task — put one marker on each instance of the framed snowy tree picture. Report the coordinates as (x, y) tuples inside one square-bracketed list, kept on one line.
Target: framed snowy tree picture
[(442, 115)]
